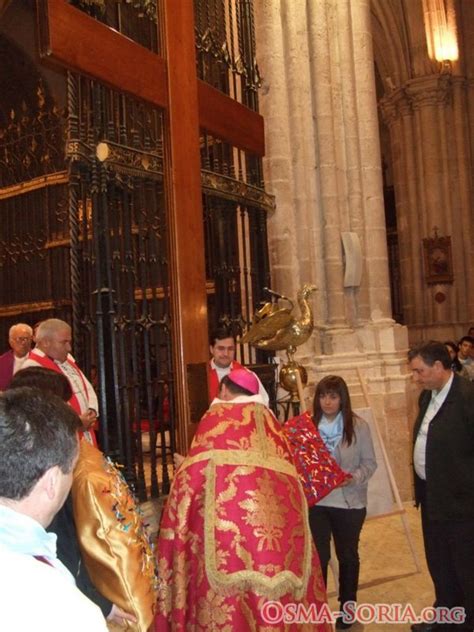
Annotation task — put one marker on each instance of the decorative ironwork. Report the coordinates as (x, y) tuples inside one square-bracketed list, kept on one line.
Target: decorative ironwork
[(20, 309), (31, 143), (129, 161), (237, 261), (236, 191), (219, 157), (136, 19), (235, 202), (31, 271), (225, 46), (32, 185), (235, 215), (122, 304)]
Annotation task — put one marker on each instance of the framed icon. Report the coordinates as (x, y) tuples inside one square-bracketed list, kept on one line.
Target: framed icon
[(438, 259)]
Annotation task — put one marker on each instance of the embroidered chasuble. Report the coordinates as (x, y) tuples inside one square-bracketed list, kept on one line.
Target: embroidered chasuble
[(234, 532)]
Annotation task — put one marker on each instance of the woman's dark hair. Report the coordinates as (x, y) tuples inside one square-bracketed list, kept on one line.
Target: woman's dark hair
[(335, 384), (455, 364), (44, 379)]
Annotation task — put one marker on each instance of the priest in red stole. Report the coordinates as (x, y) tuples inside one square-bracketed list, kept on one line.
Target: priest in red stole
[(234, 534), (52, 351)]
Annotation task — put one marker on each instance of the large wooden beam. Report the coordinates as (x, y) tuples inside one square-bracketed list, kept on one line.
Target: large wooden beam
[(183, 193), (229, 120), (72, 39)]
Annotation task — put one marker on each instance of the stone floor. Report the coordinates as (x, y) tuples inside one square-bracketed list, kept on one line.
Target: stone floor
[(388, 570)]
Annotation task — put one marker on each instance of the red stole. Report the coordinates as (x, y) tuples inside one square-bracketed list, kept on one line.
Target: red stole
[(47, 363)]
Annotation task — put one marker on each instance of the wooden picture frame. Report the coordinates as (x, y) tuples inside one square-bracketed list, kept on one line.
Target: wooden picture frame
[(438, 260)]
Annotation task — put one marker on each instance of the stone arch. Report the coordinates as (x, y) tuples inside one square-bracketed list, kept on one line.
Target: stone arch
[(391, 44), (400, 50), (424, 139)]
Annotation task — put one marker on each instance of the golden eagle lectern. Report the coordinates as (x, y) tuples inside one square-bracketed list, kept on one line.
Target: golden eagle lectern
[(277, 327)]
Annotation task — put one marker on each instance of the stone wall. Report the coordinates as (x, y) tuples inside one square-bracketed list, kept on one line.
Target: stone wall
[(323, 166)]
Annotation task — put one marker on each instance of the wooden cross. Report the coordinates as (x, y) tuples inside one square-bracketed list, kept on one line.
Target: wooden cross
[(74, 40)]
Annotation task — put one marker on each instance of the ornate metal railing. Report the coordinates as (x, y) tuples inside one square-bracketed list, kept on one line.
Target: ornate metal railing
[(235, 220), (34, 206), (85, 234), (119, 266), (225, 48)]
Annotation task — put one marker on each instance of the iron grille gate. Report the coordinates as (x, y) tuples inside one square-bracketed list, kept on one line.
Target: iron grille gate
[(84, 238), (119, 271)]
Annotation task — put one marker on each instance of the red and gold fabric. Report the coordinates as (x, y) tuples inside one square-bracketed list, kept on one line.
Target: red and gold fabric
[(234, 532), (318, 469)]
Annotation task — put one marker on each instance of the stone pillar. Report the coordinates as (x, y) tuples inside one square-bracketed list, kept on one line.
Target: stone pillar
[(292, 159), (323, 166), (323, 152), (429, 130)]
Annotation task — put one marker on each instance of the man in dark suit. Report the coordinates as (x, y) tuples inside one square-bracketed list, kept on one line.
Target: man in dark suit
[(443, 461)]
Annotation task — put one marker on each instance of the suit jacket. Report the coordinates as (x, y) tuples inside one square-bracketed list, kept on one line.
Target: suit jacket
[(449, 490), (6, 369)]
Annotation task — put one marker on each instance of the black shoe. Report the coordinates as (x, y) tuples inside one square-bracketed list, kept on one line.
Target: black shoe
[(341, 625)]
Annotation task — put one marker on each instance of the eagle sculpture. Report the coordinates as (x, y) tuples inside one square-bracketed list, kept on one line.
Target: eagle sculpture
[(275, 328)]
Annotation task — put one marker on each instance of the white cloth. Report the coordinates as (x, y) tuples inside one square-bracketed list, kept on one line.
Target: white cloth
[(86, 399), (35, 595), (221, 372), (419, 453), (18, 363), (242, 399), (22, 534)]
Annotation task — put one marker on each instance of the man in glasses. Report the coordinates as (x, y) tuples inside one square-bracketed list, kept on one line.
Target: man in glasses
[(20, 337)]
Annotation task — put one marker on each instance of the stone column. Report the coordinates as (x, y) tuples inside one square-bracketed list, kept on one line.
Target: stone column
[(323, 152), (323, 165), (377, 280), (428, 124), (291, 161)]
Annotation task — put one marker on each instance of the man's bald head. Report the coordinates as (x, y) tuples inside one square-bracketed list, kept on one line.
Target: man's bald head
[(54, 338)]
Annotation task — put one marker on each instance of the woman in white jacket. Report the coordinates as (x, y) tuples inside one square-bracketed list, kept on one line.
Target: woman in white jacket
[(342, 512)]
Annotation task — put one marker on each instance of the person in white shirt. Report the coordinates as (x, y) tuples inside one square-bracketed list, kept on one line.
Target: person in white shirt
[(38, 452), (466, 345), (222, 349)]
